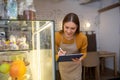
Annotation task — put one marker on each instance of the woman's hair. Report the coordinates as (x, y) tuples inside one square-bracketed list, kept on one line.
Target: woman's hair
[(71, 17)]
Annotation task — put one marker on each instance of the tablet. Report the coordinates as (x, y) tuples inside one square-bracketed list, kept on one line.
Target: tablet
[(68, 57)]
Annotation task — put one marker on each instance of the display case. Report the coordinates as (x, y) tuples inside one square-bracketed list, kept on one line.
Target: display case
[(31, 42)]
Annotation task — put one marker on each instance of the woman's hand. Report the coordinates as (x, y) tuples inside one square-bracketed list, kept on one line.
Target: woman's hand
[(61, 52), (77, 59)]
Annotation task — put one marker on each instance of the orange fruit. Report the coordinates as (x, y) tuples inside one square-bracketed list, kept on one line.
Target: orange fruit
[(17, 69)]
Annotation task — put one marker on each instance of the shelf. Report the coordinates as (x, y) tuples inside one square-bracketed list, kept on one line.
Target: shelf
[(109, 7), (14, 50)]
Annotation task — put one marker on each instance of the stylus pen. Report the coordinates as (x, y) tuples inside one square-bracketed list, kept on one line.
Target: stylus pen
[(62, 50)]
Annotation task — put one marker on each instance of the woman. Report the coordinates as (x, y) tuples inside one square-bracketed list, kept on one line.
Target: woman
[(71, 40)]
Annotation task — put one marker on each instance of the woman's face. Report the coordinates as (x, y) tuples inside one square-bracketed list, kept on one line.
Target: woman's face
[(69, 29)]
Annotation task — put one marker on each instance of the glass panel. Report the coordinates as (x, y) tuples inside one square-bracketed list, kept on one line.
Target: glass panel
[(35, 42), (17, 35), (45, 36), (45, 49)]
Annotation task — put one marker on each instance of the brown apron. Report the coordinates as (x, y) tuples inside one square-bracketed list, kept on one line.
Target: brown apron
[(70, 70)]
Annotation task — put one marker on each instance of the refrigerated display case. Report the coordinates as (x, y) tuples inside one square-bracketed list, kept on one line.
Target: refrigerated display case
[(31, 42)]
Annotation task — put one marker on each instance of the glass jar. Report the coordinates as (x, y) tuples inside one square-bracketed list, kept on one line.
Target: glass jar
[(29, 15)]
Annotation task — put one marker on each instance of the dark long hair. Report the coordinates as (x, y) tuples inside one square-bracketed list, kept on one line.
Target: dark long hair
[(71, 17)]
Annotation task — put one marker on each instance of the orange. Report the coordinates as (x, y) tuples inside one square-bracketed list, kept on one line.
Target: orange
[(17, 69)]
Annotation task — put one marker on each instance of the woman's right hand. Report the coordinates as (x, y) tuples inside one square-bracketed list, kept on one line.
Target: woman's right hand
[(61, 52)]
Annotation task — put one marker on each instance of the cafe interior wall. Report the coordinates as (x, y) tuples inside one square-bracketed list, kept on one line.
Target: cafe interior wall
[(110, 32), (57, 9)]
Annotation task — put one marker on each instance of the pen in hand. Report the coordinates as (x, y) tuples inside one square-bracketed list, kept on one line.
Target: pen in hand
[(61, 52)]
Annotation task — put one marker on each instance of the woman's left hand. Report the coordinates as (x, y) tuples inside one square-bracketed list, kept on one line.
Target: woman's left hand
[(77, 59)]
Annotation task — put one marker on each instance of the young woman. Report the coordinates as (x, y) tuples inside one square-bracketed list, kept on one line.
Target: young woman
[(71, 40)]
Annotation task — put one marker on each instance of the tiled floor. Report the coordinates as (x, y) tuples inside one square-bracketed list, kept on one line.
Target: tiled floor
[(106, 75)]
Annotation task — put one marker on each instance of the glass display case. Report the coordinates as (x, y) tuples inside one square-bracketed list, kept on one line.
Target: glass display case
[(31, 42)]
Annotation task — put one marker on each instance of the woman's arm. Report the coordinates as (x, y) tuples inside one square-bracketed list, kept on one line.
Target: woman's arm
[(82, 43), (84, 48)]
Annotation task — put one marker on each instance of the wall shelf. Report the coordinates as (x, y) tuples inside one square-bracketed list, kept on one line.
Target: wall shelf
[(109, 7)]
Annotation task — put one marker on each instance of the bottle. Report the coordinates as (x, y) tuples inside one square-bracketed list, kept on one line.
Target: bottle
[(29, 14), (2, 5), (12, 8)]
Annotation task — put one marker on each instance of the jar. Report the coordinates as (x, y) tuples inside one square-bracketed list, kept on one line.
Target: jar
[(29, 15)]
